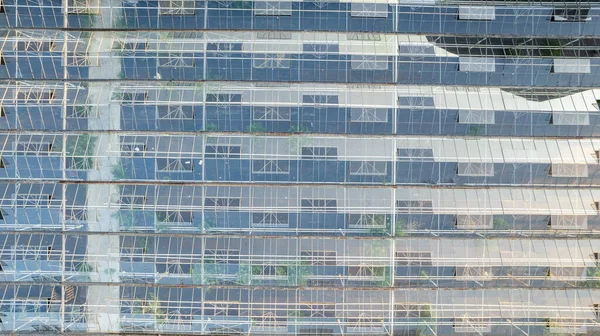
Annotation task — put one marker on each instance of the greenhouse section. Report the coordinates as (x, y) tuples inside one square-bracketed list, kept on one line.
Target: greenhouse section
[(299, 167)]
